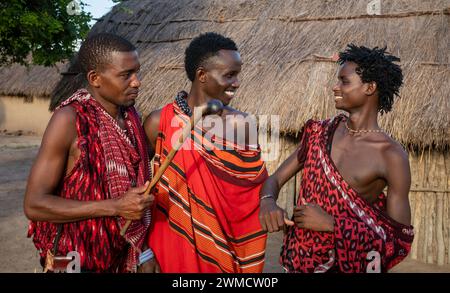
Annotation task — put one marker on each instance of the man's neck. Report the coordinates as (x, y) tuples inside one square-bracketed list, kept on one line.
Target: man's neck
[(109, 107), (363, 119), (196, 97)]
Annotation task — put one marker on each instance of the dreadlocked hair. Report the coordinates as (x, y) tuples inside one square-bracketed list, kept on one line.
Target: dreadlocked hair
[(376, 65)]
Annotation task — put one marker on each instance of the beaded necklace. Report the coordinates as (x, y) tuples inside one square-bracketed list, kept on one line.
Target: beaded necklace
[(352, 131), (181, 100)]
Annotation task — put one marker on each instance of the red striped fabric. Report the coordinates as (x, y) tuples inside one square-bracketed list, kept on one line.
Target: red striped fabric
[(205, 216)]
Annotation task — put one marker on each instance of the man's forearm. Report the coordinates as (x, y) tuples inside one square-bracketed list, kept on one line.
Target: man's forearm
[(270, 187), (51, 208)]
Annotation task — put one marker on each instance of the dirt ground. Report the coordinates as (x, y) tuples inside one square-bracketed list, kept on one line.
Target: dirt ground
[(18, 253)]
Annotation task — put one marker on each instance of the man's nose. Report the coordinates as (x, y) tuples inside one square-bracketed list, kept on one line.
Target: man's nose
[(236, 83), (336, 87), (136, 82)]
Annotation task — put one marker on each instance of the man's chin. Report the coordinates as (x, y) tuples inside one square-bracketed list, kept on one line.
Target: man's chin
[(225, 100), (338, 106), (129, 103)]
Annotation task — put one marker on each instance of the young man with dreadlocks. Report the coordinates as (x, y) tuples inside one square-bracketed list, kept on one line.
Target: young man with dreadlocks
[(205, 216), (92, 168), (343, 222)]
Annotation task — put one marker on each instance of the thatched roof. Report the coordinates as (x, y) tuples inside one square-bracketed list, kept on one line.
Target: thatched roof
[(32, 81), (285, 45)]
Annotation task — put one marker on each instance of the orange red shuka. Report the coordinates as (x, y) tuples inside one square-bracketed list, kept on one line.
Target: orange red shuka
[(205, 216)]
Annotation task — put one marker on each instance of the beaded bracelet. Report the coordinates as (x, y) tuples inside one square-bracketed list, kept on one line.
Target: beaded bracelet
[(266, 196), (145, 256)]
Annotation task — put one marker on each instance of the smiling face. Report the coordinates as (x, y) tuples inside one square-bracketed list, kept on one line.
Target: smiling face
[(219, 77), (350, 92), (117, 81)]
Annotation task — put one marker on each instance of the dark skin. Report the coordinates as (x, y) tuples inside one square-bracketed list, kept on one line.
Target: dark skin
[(113, 85), (214, 80), (386, 166)]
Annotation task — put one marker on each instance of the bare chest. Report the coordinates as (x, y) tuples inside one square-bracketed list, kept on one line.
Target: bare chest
[(360, 166)]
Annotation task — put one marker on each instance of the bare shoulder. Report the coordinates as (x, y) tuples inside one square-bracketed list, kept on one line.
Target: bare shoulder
[(62, 124), (60, 134), (392, 150), (238, 118), (154, 115), (151, 127), (246, 125), (392, 157), (228, 111), (383, 144), (152, 120), (65, 115)]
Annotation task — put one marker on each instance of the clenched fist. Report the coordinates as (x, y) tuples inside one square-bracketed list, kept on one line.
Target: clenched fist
[(132, 204)]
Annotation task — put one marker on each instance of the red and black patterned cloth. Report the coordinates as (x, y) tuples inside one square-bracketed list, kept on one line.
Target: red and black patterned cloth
[(363, 232), (111, 161)]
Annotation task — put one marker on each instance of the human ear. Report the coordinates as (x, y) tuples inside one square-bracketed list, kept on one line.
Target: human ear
[(93, 78), (371, 88), (200, 74)]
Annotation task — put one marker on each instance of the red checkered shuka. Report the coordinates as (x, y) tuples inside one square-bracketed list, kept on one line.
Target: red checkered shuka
[(111, 161)]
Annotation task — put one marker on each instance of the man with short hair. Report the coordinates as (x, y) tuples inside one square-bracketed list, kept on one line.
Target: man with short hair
[(205, 216), (343, 222), (92, 167)]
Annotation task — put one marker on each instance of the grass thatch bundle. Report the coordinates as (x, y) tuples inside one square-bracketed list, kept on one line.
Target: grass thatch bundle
[(33, 81), (286, 45)]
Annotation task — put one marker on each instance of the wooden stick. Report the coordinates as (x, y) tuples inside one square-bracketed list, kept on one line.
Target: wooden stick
[(211, 108)]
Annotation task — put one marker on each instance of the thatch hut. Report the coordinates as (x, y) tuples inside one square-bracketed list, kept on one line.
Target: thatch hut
[(286, 47), (25, 95)]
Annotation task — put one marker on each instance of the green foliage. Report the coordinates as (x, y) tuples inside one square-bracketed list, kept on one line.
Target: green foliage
[(43, 28)]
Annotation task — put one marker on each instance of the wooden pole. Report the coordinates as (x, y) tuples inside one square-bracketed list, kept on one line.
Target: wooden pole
[(212, 107)]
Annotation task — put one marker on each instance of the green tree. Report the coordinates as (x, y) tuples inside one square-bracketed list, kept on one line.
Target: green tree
[(48, 31)]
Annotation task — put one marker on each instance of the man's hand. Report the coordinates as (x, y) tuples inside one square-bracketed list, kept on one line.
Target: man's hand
[(133, 203), (313, 217), (150, 266), (271, 216)]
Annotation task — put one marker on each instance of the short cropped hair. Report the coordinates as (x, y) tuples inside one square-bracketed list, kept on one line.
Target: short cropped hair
[(202, 48), (96, 50)]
